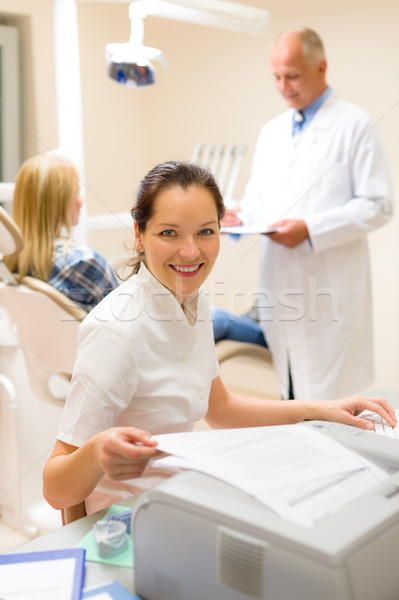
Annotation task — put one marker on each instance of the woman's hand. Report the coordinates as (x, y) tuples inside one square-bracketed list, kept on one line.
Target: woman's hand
[(124, 452), (347, 411), (72, 473), (230, 218)]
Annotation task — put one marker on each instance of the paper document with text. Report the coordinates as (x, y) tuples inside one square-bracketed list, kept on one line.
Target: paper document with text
[(295, 471)]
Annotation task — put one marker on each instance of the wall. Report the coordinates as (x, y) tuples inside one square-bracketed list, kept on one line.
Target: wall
[(218, 88)]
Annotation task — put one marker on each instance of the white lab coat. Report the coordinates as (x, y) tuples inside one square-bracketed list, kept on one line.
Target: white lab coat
[(316, 298)]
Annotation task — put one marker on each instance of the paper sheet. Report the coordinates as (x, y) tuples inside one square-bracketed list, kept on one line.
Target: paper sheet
[(297, 472), (38, 580)]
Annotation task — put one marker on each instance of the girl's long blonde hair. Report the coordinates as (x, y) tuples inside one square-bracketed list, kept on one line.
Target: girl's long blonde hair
[(44, 188)]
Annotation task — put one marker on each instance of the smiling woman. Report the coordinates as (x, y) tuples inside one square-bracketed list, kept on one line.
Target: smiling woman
[(181, 240), (146, 360)]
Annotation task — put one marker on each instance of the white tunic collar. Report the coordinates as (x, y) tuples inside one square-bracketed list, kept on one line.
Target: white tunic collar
[(190, 304)]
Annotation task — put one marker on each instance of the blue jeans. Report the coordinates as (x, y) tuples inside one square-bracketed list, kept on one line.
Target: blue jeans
[(227, 326)]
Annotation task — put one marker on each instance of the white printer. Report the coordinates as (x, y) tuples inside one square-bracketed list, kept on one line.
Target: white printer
[(198, 538)]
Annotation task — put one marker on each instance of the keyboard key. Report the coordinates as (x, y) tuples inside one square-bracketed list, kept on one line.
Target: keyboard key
[(380, 426)]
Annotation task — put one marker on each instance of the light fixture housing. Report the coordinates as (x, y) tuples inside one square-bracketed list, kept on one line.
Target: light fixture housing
[(129, 63)]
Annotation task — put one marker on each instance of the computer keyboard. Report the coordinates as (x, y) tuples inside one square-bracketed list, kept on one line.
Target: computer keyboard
[(381, 427), (383, 447)]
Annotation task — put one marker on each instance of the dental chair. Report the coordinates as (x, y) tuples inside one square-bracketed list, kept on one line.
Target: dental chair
[(247, 369), (38, 333)]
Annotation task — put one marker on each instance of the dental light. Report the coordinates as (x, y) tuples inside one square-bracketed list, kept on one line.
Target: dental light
[(130, 63)]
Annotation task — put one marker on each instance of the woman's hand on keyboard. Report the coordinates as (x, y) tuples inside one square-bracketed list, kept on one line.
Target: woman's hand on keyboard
[(347, 410)]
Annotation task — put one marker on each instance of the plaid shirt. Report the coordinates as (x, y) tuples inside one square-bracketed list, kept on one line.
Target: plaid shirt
[(82, 274)]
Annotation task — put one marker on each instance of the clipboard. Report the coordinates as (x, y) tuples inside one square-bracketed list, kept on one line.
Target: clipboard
[(250, 229)]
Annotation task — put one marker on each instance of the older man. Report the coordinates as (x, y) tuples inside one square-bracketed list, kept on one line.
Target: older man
[(320, 177)]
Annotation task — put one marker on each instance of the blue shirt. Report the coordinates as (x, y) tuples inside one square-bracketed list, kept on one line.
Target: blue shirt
[(82, 274), (310, 111)]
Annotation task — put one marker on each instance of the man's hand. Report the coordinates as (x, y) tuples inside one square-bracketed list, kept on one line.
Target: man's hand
[(291, 232)]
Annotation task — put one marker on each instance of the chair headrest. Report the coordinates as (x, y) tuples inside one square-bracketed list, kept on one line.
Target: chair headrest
[(37, 285), (10, 236)]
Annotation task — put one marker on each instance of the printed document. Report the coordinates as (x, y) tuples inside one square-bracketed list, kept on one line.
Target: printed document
[(299, 473)]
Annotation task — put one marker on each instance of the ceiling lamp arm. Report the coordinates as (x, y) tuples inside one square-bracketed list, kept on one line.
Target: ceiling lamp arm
[(129, 63), (213, 13), (136, 31)]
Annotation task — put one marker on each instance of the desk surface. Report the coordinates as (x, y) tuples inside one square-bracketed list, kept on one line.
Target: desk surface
[(70, 535)]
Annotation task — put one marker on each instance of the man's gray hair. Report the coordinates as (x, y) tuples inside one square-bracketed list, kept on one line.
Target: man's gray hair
[(310, 41), (312, 45)]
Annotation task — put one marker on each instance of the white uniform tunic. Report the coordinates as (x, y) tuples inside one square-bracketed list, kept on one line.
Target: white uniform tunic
[(316, 298), (139, 364)]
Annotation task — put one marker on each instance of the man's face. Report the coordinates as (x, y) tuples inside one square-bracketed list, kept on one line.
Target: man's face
[(298, 80)]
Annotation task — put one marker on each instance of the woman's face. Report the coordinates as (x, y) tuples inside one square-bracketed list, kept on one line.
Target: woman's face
[(181, 240)]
